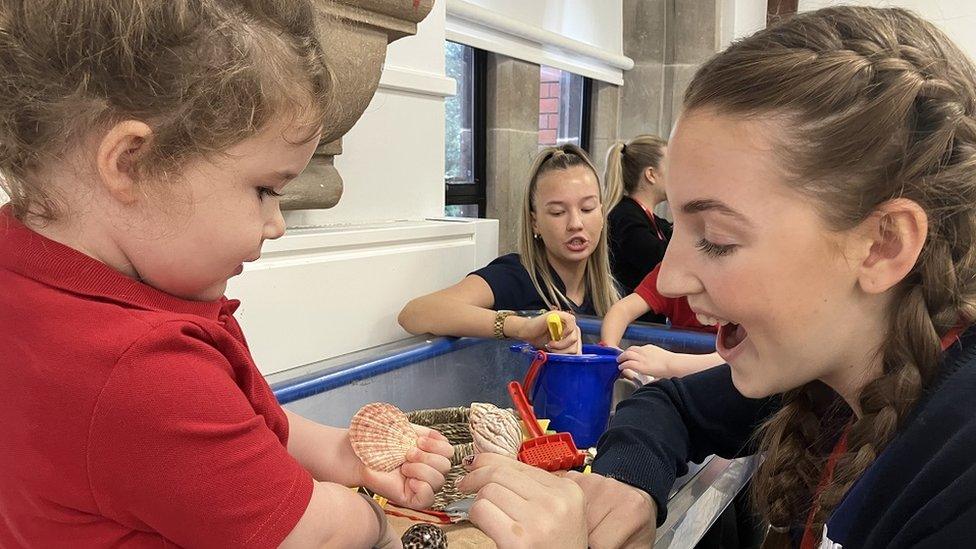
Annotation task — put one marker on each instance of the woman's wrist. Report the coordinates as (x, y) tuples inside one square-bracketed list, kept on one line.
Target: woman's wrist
[(512, 326)]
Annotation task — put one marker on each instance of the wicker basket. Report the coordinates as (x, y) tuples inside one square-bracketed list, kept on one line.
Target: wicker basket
[(453, 424)]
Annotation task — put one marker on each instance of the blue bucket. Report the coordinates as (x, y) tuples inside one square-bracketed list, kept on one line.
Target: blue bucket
[(573, 391)]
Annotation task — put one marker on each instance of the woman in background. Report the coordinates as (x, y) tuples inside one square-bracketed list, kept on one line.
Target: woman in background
[(635, 181), (562, 264)]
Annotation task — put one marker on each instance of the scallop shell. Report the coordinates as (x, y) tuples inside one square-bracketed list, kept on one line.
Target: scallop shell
[(494, 430), (424, 536), (381, 435)]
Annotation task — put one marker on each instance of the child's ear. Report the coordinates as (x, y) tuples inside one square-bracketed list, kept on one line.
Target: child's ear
[(117, 158), (893, 239)]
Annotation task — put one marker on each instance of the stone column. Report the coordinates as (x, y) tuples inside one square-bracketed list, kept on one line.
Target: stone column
[(604, 116), (668, 40), (693, 37), (513, 139), (641, 96), (355, 34)]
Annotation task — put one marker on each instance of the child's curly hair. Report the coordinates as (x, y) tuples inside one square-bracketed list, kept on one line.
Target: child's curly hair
[(203, 74)]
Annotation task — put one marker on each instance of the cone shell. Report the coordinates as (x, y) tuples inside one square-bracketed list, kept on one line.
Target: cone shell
[(494, 430), (381, 435), (424, 536)]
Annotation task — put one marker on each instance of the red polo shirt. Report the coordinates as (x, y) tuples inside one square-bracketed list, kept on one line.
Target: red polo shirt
[(131, 417), (676, 309)]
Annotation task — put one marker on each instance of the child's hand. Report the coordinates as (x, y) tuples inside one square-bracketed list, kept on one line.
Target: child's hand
[(535, 331), (413, 484), (649, 360)]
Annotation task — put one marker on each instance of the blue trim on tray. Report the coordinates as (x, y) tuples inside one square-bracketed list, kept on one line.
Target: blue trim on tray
[(297, 389), (319, 382), (684, 340)]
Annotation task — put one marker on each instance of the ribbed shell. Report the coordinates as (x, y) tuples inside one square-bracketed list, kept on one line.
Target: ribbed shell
[(381, 435), (494, 430)]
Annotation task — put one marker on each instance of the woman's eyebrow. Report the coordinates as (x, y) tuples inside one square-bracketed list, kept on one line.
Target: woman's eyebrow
[(709, 204), (563, 203)]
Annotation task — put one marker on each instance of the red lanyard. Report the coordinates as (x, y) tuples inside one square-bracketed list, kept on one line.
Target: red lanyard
[(839, 449), (650, 216), (808, 542), (951, 336)]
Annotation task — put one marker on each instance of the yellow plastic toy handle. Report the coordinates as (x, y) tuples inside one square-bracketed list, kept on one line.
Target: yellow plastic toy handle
[(555, 325)]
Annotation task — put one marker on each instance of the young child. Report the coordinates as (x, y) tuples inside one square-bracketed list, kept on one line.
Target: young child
[(144, 145), (828, 213), (650, 360)]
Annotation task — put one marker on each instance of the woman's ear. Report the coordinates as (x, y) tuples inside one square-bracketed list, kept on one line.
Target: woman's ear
[(893, 238), (117, 158), (650, 176)]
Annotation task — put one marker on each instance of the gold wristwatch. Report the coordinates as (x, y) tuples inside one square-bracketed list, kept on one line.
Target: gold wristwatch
[(500, 317)]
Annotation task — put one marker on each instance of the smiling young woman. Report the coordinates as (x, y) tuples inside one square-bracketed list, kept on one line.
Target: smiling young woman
[(826, 220)]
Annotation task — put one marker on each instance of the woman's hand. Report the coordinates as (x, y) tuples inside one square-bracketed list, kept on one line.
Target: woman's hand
[(535, 331), (649, 360), (617, 514), (521, 506), (413, 484)]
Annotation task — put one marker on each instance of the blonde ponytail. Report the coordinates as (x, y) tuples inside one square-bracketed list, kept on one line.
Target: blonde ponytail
[(626, 163), (614, 177)]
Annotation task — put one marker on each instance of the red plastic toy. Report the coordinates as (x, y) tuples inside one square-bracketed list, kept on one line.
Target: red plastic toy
[(550, 452)]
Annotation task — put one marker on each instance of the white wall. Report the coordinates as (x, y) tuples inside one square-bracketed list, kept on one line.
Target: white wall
[(320, 293), (750, 16), (336, 281), (740, 18), (392, 164), (957, 18)]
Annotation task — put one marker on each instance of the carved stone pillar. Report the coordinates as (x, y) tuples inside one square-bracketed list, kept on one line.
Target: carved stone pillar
[(355, 34), (642, 94), (693, 37), (513, 140), (668, 40), (604, 119)]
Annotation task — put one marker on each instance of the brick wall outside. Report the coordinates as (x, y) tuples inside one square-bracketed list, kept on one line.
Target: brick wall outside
[(548, 106)]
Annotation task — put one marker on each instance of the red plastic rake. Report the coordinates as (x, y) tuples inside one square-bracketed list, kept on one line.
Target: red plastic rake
[(550, 452)]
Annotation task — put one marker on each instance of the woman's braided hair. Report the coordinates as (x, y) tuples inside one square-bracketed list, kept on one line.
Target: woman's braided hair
[(878, 104)]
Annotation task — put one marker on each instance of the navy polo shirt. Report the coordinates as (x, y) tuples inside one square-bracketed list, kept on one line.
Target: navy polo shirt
[(920, 492), (513, 289)]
